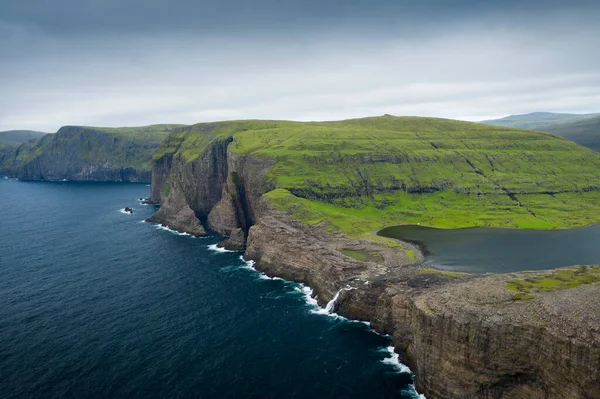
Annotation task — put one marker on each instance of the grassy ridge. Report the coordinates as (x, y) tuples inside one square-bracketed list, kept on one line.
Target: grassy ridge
[(360, 175), (583, 129), (16, 137), (585, 132), (538, 120), (139, 134), (120, 147)]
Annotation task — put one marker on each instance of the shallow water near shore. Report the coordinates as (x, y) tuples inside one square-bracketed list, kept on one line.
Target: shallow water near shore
[(97, 303), (497, 250)]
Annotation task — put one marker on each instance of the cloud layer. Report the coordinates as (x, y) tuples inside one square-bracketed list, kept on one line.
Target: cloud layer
[(103, 63)]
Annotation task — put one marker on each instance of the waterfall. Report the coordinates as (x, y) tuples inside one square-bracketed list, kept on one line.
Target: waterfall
[(330, 307), (331, 304)]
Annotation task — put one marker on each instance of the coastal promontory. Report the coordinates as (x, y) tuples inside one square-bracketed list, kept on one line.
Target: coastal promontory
[(305, 200)]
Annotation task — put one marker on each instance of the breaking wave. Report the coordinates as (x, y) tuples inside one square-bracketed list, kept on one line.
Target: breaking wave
[(162, 227)]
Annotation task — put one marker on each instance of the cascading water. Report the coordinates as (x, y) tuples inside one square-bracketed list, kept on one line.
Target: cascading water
[(331, 304), (330, 307)]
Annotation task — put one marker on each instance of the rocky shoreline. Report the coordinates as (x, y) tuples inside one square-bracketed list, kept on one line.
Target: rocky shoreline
[(464, 336)]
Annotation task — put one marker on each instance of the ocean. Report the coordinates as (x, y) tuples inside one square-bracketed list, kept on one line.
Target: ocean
[(94, 302)]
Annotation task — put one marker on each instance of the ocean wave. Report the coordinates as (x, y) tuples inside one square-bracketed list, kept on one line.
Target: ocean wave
[(394, 360), (215, 248), (163, 227), (249, 265)]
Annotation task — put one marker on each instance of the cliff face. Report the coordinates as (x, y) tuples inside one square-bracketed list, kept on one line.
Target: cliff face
[(81, 153), (464, 336)]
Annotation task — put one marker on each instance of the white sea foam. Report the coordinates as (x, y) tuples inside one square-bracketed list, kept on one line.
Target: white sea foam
[(123, 211), (307, 292), (162, 227), (249, 265), (394, 360), (412, 391), (214, 247)]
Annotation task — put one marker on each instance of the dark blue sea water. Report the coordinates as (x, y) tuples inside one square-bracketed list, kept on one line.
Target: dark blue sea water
[(97, 303)]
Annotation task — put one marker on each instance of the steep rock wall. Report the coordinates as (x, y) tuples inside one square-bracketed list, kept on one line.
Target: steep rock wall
[(463, 337), (80, 153), (85, 154), (469, 340)]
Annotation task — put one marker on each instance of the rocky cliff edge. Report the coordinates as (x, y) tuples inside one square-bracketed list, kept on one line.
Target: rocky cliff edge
[(464, 336)]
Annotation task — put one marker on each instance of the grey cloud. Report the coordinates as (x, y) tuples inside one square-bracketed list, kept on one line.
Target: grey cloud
[(464, 68)]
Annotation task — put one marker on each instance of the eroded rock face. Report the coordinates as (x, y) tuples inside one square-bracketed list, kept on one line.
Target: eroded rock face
[(463, 336), (176, 214), (82, 154), (235, 242)]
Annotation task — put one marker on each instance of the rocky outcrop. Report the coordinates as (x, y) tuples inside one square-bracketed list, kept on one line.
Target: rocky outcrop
[(176, 214), (464, 336), (235, 242)]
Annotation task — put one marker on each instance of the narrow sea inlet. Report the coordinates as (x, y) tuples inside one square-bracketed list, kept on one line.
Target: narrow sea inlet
[(496, 250), (97, 303)]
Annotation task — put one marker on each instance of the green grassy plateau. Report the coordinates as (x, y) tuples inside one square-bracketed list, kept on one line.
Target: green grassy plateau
[(360, 175), (127, 146)]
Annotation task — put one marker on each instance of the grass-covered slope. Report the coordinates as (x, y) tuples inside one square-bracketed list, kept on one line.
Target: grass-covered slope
[(538, 120), (130, 146), (583, 129), (585, 132), (88, 153), (360, 175), (16, 137)]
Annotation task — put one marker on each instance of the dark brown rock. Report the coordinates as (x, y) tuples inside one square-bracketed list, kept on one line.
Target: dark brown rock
[(235, 242), (177, 215)]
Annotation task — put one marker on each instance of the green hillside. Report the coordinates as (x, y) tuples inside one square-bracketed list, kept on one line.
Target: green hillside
[(87, 153), (360, 175), (538, 120), (583, 129), (16, 137), (127, 146), (585, 132), (139, 134)]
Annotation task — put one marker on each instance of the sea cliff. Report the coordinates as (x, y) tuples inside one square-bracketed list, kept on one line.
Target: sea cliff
[(86, 154), (464, 336)]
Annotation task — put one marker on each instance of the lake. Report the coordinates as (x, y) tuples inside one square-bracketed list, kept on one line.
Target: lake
[(496, 250)]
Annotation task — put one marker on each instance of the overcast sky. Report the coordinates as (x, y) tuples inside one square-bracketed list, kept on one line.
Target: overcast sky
[(139, 62)]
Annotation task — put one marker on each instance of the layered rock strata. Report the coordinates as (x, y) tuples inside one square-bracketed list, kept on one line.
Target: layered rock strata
[(82, 154), (464, 336)]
